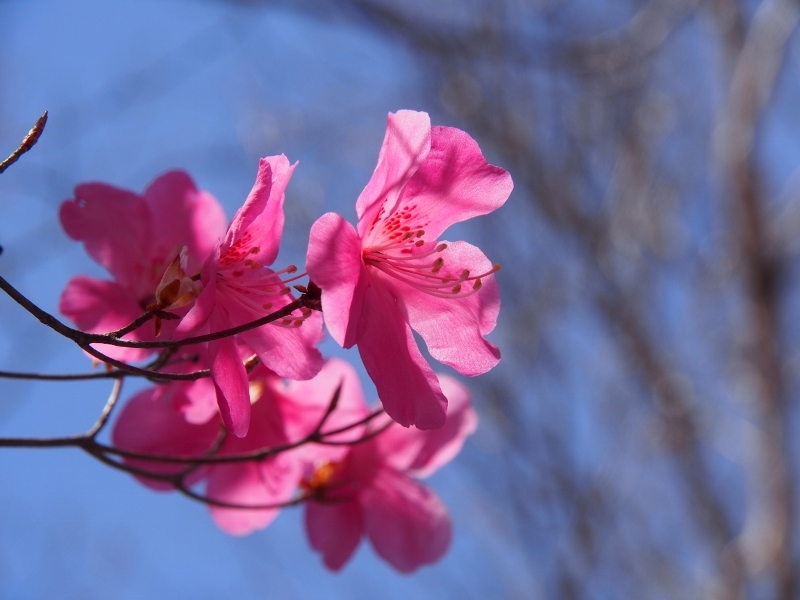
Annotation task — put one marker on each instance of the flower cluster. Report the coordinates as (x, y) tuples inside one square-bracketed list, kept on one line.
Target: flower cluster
[(250, 412)]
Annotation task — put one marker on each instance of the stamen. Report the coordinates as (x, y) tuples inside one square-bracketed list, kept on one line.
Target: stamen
[(404, 257)]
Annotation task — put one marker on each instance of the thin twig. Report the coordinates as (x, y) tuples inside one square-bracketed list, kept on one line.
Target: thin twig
[(365, 438), (96, 338), (54, 442), (376, 413), (27, 143), (153, 375), (135, 324), (62, 376), (259, 454), (331, 407), (107, 410), (83, 339), (189, 493)]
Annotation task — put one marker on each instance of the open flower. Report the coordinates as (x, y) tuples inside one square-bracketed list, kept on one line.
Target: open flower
[(283, 413), (373, 492), (392, 275), (238, 287), (136, 238), (162, 420)]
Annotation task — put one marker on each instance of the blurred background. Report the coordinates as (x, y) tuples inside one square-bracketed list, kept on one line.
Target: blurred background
[(636, 440)]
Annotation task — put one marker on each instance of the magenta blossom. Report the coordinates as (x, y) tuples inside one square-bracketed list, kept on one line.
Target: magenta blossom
[(392, 275), (238, 287), (283, 413), (153, 421), (156, 421), (372, 492), (136, 238)]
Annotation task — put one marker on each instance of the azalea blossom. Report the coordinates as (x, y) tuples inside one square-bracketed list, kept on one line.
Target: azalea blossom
[(136, 238), (157, 421), (283, 413), (153, 422), (238, 287), (373, 492), (392, 275)]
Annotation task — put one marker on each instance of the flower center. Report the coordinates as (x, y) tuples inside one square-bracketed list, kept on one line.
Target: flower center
[(404, 254), (321, 477)]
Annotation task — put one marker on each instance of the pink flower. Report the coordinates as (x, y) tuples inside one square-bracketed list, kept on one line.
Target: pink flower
[(283, 413), (372, 492), (153, 421), (135, 238), (393, 275), (239, 288)]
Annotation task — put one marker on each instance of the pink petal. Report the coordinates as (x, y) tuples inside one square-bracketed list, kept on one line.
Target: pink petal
[(305, 402), (406, 522), (453, 328), (99, 306), (405, 147), (289, 352), (266, 420), (250, 484), (150, 423), (334, 264), (406, 385), (196, 321), (310, 399), (455, 183), (114, 226), (184, 216), (200, 405), (334, 530), (259, 223), (230, 381), (422, 452), (443, 445)]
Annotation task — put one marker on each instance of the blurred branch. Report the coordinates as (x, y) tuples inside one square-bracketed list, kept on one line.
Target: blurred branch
[(752, 85)]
